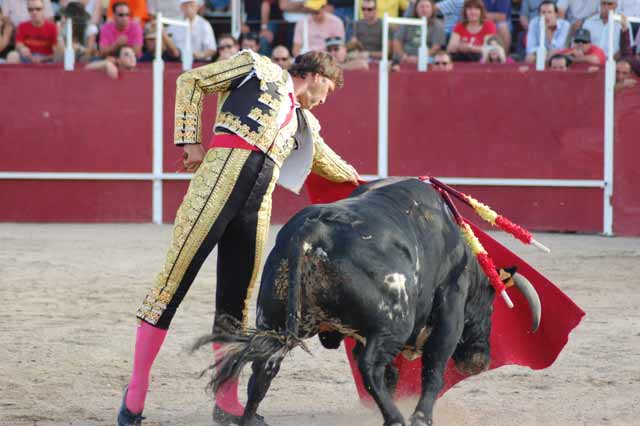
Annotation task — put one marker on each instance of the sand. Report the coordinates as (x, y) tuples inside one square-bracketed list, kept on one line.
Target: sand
[(67, 333)]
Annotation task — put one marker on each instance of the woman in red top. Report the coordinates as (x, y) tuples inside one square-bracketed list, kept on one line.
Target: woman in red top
[(469, 35)]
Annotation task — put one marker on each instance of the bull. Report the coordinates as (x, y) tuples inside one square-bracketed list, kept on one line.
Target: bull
[(387, 266)]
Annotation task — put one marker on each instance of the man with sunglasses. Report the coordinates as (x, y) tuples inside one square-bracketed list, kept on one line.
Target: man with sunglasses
[(122, 31), (264, 133), (36, 39), (227, 48), (16, 11), (583, 51), (368, 30), (442, 61)]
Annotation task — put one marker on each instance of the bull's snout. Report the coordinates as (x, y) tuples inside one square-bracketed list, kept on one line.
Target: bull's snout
[(475, 364)]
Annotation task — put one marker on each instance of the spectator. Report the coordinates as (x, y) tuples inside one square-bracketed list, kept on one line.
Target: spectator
[(347, 61), (203, 41), (583, 51), (16, 11), (493, 52), (92, 7), (36, 39), (125, 60), (6, 31), (470, 34), (321, 25), (262, 17), (598, 26), (442, 61), (168, 8), (576, 11), (624, 78), (368, 31), (393, 7), (452, 12), (499, 11), (170, 52), (406, 41), (556, 31), (227, 48), (137, 9), (121, 32), (626, 51), (281, 56), (631, 8), (83, 32), (250, 41), (559, 62)]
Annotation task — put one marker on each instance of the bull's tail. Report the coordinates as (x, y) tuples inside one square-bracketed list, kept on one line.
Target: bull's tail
[(239, 349)]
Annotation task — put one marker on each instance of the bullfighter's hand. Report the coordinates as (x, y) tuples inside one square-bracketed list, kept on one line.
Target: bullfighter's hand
[(355, 177), (192, 156)]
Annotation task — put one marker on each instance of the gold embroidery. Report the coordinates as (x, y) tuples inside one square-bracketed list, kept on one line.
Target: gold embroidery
[(262, 233), (326, 162), (207, 195), (194, 84), (265, 119)]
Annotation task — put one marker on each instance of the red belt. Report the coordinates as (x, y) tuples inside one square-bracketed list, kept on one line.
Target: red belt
[(225, 140)]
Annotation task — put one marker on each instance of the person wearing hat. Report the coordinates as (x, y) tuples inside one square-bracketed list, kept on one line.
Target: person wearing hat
[(356, 60), (582, 51), (320, 26), (170, 52), (264, 133), (203, 40)]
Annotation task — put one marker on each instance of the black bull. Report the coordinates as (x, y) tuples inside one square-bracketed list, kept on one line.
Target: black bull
[(387, 266)]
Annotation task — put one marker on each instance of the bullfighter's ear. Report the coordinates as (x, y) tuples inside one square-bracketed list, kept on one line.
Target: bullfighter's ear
[(506, 275)]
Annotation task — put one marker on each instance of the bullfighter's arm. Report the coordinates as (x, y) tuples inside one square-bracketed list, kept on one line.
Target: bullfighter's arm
[(326, 162), (217, 77)]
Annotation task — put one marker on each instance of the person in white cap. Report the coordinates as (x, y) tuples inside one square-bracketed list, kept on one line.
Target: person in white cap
[(203, 40)]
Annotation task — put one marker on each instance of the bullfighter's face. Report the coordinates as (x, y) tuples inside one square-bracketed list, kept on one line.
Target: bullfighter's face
[(318, 88)]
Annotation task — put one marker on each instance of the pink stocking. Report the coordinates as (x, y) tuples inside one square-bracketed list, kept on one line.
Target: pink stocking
[(227, 394), (148, 342)]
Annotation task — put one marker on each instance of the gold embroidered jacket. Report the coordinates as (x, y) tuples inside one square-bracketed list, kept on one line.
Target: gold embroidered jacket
[(248, 107)]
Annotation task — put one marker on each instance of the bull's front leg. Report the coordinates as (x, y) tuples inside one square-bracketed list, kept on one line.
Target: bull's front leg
[(263, 373), (372, 361), (448, 323)]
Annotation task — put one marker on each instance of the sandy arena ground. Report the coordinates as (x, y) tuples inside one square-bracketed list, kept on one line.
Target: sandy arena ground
[(67, 333)]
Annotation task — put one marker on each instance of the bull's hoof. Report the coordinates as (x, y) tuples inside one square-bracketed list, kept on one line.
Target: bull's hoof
[(419, 419), (222, 418)]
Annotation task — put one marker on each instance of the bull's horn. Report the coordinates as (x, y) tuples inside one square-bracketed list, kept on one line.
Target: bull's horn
[(526, 288)]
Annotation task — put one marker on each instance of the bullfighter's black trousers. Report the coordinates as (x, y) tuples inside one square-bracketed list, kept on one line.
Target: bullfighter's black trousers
[(228, 204)]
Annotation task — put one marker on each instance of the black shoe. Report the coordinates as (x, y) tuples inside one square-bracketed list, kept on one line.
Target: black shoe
[(222, 418), (126, 417)]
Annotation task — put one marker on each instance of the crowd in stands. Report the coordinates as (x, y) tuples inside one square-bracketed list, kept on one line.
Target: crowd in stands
[(112, 35)]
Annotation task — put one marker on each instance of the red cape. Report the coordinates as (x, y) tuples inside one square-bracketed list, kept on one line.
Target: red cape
[(512, 342)]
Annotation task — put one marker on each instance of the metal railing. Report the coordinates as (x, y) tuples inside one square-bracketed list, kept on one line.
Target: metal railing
[(541, 53), (158, 104), (383, 83), (609, 86)]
